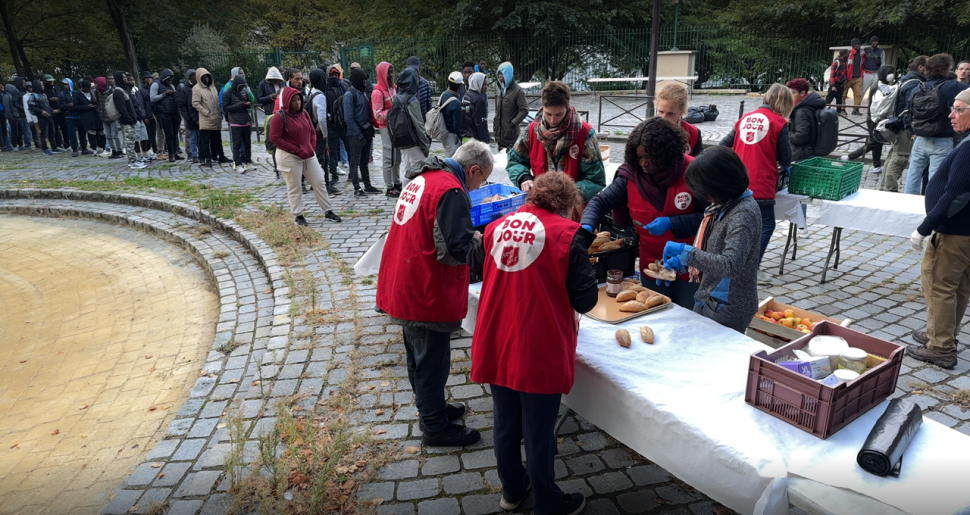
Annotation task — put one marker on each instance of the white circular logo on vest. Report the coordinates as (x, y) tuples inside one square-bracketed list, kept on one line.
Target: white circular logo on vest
[(518, 242), (682, 200), (574, 151), (754, 128), (409, 201)]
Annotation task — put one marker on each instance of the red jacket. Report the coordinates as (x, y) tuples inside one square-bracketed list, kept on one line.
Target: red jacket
[(293, 133), (862, 63), (525, 334), (382, 98)]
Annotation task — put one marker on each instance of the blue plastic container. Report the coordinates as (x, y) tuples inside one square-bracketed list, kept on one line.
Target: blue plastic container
[(483, 214)]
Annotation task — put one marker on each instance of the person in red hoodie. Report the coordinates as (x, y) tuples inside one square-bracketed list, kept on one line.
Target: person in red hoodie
[(855, 72), (537, 276), (381, 101), (295, 138)]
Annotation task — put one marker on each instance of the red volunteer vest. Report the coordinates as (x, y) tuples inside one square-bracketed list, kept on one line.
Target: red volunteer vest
[(756, 143), (525, 335), (693, 135), (537, 152), (680, 201), (412, 284)]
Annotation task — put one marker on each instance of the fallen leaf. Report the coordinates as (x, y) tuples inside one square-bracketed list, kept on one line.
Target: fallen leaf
[(377, 501), (385, 383), (268, 291), (151, 369), (156, 465), (559, 439), (212, 376), (255, 383), (133, 509), (234, 380), (660, 500), (23, 361), (84, 407), (148, 356), (348, 485), (83, 435), (56, 432), (361, 464), (161, 474), (152, 408), (167, 406), (370, 387), (579, 443), (15, 445), (380, 431), (411, 449), (220, 426), (917, 392), (379, 412)]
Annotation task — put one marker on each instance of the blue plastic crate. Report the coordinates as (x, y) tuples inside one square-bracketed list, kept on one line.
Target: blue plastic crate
[(483, 214)]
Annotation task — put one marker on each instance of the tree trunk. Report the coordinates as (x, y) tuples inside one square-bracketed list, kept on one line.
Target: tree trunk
[(117, 10), (23, 68)]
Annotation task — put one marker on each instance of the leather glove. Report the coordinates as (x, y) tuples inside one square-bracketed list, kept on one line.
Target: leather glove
[(659, 226), (916, 240), (672, 248)]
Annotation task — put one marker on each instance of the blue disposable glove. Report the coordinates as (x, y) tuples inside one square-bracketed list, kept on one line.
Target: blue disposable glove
[(659, 226), (588, 228), (677, 262), (673, 248)]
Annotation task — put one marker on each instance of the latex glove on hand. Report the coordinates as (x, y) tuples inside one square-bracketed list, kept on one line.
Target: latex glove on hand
[(916, 240), (677, 262), (659, 226), (672, 248)]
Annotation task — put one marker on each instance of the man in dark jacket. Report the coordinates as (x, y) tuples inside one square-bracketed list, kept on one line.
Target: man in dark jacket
[(424, 89), (269, 88), (803, 129), (86, 107), (183, 100), (237, 105), (163, 102), (474, 106), (946, 264), (931, 150), (335, 134), (41, 109), (129, 116), (451, 111), (146, 99), (12, 114), (58, 129), (873, 60), (65, 101), (898, 160)]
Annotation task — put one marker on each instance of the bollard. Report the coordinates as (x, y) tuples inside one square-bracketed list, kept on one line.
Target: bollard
[(741, 110)]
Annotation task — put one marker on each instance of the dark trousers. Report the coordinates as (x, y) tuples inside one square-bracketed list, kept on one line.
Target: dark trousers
[(835, 94), (76, 135), (151, 127), (210, 144), (333, 142), (16, 132), (709, 310), (359, 152), (322, 151), (242, 144), (61, 134), (767, 226), (429, 363), (531, 417), (44, 126), (680, 292), (4, 135), (169, 123)]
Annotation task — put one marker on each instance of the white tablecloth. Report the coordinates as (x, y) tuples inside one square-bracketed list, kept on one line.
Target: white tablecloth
[(788, 206), (880, 212), (680, 403), (500, 174)]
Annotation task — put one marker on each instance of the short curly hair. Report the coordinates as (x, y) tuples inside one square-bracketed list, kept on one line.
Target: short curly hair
[(663, 141), (556, 192)]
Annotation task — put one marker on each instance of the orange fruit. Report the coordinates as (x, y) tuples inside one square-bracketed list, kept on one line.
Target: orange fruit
[(789, 313)]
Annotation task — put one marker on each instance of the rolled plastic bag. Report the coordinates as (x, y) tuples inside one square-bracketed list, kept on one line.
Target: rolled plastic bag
[(370, 262), (882, 454)]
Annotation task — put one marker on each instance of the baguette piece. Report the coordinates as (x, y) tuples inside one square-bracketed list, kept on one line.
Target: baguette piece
[(626, 295), (600, 240), (654, 301), (646, 334), (643, 296), (623, 338), (613, 245), (633, 307)]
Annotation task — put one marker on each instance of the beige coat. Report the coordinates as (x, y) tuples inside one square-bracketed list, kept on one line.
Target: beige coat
[(205, 100)]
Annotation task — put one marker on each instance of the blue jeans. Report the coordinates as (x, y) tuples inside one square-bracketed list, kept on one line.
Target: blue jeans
[(767, 226), (429, 363), (926, 151), (532, 417), (194, 142)]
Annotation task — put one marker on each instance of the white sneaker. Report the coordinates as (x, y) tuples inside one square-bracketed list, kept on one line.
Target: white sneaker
[(242, 168), (763, 279), (845, 157), (137, 165), (151, 156)]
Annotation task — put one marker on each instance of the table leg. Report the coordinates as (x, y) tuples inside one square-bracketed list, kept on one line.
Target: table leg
[(836, 237), (792, 238), (838, 247), (562, 420)]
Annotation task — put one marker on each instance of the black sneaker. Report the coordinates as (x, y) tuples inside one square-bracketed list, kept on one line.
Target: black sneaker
[(509, 504), (208, 162), (371, 189), (195, 160), (856, 113), (391, 193), (332, 191), (224, 160), (455, 411), (330, 215), (359, 193), (452, 436), (116, 155), (301, 221), (572, 504)]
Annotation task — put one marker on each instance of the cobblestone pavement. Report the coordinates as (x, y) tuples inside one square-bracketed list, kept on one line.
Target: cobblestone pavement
[(877, 285)]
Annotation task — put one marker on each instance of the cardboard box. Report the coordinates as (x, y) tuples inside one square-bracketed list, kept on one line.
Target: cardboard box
[(775, 335)]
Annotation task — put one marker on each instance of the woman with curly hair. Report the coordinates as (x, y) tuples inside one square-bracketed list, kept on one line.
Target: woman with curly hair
[(537, 276), (650, 184)]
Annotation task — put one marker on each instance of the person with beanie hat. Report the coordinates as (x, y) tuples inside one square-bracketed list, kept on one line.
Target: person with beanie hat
[(163, 100), (360, 132), (317, 106), (336, 134), (183, 99), (148, 110), (450, 105), (381, 101), (237, 105), (871, 63), (424, 89)]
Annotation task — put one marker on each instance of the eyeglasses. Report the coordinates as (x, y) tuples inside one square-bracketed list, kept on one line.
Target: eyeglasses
[(959, 110)]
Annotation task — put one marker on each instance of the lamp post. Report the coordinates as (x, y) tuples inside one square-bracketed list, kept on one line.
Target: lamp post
[(652, 71), (676, 22)]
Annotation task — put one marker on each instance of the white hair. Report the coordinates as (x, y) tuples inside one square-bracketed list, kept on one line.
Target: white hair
[(474, 153)]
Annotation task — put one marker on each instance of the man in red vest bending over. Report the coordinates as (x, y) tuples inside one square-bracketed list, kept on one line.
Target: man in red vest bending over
[(558, 140), (423, 280)]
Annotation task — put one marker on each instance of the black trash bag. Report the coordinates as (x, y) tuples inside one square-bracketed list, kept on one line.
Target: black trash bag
[(710, 113), (694, 116), (882, 454)]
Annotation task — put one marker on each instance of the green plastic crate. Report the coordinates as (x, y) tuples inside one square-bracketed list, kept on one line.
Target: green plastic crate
[(825, 179)]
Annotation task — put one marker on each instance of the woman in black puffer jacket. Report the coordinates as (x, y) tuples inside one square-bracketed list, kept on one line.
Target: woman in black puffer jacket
[(237, 105)]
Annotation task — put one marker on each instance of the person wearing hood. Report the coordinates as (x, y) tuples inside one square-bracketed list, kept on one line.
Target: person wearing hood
[(294, 135), (39, 106), (424, 89), (58, 128), (31, 136), (205, 100), (127, 119), (360, 132), (65, 100), (450, 104), (803, 129), (183, 100), (13, 115), (88, 123), (238, 110), (141, 133), (558, 141), (336, 133), (898, 159), (650, 185), (151, 127), (381, 101), (163, 101), (269, 88), (430, 251), (407, 95), (317, 105), (474, 107), (510, 108)]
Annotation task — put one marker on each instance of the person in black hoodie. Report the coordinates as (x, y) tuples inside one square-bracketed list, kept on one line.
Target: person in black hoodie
[(146, 98), (58, 128), (803, 129), (41, 109), (236, 103), (163, 101), (65, 101), (86, 106), (128, 116), (11, 98), (474, 106), (336, 135), (183, 99)]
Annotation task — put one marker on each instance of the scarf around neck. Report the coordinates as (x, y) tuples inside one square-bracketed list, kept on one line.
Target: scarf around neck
[(711, 213), (555, 139), (653, 187)]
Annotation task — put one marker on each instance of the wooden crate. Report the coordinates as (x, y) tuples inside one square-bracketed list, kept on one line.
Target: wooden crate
[(774, 335)]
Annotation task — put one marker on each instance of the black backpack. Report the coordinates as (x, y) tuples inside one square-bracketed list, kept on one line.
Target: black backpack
[(399, 124), (335, 109), (928, 111), (826, 131), (311, 109)]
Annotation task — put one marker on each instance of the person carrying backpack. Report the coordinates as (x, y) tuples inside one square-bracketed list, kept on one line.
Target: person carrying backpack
[(382, 99), (474, 106), (451, 111), (883, 85), (317, 105), (336, 124), (803, 128), (898, 160), (839, 76), (360, 132), (406, 123), (928, 106)]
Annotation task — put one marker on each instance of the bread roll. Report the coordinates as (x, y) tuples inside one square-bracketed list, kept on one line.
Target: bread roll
[(623, 338), (626, 295), (637, 288), (600, 240), (613, 245), (633, 307), (646, 334), (654, 301), (643, 296), (605, 234)]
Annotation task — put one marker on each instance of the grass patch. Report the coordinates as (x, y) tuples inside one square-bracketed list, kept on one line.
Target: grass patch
[(275, 226), (228, 347), (220, 254), (962, 397), (376, 211)]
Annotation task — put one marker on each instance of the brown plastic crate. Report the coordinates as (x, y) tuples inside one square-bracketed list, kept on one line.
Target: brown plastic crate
[(810, 405)]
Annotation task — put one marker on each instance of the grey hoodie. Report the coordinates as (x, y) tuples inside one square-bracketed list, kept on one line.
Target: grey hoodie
[(407, 91), (11, 95)]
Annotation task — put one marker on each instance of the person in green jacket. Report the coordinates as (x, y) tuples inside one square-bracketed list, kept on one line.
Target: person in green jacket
[(558, 141)]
